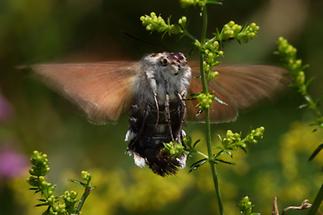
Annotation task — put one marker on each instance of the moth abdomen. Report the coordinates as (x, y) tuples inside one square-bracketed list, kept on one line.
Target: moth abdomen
[(150, 136)]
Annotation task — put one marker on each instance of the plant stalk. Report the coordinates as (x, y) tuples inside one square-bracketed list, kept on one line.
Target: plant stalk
[(317, 202), (207, 116), (86, 193)]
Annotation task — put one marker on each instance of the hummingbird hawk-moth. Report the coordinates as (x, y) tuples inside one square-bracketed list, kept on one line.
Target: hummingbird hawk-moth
[(155, 92)]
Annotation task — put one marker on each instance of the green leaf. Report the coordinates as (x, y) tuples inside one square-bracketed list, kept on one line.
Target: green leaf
[(197, 164), (218, 2), (41, 204), (224, 161), (316, 152), (196, 143)]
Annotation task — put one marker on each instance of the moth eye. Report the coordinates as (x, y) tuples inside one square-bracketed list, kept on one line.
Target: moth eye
[(164, 62)]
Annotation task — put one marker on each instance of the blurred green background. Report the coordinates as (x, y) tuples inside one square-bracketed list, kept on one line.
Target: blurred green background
[(33, 117)]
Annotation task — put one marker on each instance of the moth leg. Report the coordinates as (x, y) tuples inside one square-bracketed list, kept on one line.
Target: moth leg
[(167, 115), (153, 85), (198, 113), (191, 98), (182, 110), (157, 109)]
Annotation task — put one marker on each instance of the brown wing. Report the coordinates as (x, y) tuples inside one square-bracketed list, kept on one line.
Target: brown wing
[(102, 90), (238, 87)]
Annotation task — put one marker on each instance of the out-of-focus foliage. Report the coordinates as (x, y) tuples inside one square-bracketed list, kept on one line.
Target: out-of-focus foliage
[(140, 191), (34, 31), (134, 191)]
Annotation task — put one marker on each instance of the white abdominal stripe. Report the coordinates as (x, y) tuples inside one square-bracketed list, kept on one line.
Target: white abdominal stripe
[(182, 161), (129, 135), (183, 133), (139, 161)]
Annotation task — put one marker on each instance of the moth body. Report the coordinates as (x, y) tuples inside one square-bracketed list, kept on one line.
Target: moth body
[(158, 111)]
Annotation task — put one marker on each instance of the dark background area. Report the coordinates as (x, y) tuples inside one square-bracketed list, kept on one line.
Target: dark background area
[(34, 117)]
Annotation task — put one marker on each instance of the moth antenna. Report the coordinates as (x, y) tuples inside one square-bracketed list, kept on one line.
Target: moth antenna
[(134, 37)]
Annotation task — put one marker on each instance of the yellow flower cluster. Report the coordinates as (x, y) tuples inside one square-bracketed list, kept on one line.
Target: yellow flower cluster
[(231, 30), (200, 3), (174, 148), (211, 52), (157, 23), (85, 175), (289, 55), (286, 49), (205, 100), (248, 32)]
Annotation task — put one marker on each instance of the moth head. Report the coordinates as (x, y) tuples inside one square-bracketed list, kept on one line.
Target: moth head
[(167, 63)]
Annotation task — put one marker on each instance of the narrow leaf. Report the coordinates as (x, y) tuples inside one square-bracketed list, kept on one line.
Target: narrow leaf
[(41, 204), (197, 164), (224, 161), (316, 152)]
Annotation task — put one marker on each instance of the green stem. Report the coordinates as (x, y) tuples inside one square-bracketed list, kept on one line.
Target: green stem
[(317, 202), (312, 104), (207, 120), (189, 35), (86, 193)]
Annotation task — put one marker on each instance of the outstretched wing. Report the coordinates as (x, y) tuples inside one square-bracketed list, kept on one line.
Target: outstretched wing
[(237, 87), (102, 90)]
